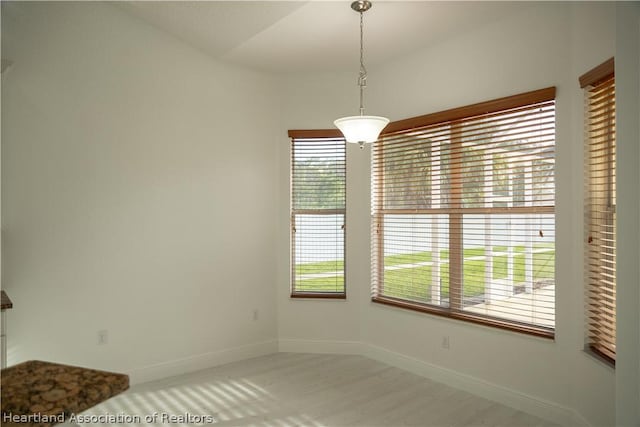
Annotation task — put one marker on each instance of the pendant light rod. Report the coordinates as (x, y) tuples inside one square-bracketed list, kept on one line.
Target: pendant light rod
[(362, 78), (361, 6)]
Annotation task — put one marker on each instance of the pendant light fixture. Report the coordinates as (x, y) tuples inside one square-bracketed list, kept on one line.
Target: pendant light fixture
[(361, 129)]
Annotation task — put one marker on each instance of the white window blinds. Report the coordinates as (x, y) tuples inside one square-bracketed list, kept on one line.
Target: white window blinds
[(318, 207), (463, 221)]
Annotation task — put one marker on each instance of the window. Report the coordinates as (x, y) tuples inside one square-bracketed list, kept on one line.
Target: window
[(600, 209), (463, 213), (318, 205)]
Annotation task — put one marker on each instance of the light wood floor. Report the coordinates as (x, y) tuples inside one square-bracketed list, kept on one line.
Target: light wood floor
[(291, 389)]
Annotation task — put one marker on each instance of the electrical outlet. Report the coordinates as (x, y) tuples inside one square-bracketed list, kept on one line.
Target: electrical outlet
[(256, 314), (103, 337), (445, 342)]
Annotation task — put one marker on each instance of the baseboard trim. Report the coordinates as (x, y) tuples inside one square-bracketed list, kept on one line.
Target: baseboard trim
[(533, 405), (201, 361), (292, 345)]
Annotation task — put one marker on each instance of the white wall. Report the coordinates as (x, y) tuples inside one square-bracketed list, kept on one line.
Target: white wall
[(593, 383), (628, 196), (543, 45), (137, 192)]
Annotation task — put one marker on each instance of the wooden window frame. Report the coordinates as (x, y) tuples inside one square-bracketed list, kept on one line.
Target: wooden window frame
[(600, 279), (455, 213), (300, 294)]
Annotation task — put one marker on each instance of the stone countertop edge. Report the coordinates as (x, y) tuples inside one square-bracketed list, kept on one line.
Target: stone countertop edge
[(40, 391)]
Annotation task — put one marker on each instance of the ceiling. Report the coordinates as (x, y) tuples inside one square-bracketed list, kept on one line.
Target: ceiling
[(308, 36)]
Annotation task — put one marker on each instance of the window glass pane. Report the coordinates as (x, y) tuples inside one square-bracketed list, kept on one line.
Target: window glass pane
[(416, 258), (318, 180), (319, 253), (318, 200), (509, 267), (413, 170)]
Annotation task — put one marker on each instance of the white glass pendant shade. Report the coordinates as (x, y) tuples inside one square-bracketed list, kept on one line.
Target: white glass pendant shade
[(360, 129)]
